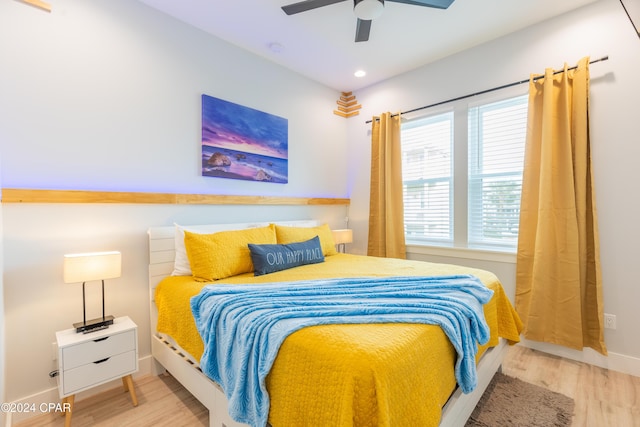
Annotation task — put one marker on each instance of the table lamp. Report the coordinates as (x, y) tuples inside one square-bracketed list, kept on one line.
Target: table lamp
[(85, 268), (342, 237)]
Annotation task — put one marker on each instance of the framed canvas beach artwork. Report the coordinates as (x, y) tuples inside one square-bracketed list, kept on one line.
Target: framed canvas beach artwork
[(242, 143)]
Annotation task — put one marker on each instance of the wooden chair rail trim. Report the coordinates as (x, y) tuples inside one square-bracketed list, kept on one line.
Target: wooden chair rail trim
[(16, 195)]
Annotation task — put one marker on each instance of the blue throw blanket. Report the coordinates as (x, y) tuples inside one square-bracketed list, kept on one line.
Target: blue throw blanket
[(243, 326)]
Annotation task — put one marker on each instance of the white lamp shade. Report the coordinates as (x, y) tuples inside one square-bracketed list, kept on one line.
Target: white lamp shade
[(342, 236), (92, 266)]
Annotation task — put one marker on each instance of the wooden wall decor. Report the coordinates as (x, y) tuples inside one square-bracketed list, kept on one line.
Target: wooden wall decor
[(17, 195), (39, 4), (347, 105)]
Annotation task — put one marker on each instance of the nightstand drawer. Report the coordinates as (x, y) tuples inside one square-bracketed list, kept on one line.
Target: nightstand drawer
[(90, 351), (97, 372)]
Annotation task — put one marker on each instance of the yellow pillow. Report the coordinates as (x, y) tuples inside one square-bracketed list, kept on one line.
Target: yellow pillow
[(224, 254), (300, 234)]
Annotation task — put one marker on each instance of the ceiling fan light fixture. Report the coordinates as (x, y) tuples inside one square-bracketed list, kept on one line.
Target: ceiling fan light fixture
[(368, 9)]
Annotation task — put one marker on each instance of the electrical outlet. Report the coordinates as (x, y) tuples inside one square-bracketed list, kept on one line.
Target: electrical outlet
[(54, 350), (609, 321)]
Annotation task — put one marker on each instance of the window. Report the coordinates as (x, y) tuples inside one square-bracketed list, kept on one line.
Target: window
[(427, 147), (467, 196)]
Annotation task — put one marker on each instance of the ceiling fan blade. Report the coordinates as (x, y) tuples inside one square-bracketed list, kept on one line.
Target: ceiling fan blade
[(363, 28), (303, 6), (438, 4)]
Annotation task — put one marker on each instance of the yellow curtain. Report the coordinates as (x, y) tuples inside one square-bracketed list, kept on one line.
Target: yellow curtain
[(558, 276), (386, 210)]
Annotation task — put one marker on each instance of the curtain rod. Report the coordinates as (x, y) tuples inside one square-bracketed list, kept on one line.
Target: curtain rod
[(630, 20), (604, 58)]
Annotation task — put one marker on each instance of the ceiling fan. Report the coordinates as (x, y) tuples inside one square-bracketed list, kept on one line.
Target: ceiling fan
[(365, 10)]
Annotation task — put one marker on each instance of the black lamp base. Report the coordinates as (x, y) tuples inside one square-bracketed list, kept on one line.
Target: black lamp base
[(94, 324)]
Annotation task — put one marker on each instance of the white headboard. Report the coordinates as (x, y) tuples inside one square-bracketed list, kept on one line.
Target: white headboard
[(162, 249)]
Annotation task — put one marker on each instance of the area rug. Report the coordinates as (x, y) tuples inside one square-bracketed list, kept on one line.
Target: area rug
[(511, 402)]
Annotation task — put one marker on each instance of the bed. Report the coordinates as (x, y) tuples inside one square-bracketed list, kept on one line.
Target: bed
[(303, 364)]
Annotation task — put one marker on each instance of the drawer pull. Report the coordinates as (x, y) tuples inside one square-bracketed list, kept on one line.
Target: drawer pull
[(101, 360), (100, 339)]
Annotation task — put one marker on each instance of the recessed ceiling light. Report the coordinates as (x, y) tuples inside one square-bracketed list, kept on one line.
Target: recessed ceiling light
[(276, 47), (360, 73)]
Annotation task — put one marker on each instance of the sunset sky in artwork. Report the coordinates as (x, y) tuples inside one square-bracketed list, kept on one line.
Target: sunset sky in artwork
[(232, 126)]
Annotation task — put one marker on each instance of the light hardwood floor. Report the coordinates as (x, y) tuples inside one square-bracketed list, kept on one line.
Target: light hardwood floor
[(602, 398), (162, 402)]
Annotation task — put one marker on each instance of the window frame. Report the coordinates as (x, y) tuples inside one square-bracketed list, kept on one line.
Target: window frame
[(460, 186)]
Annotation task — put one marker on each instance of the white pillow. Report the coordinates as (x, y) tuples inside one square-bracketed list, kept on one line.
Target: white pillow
[(181, 266)]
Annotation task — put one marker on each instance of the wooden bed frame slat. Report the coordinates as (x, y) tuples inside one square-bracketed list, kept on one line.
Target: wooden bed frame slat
[(166, 244), (161, 269), (162, 257)]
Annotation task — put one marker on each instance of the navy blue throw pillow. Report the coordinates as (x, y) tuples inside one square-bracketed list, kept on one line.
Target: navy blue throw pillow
[(271, 258)]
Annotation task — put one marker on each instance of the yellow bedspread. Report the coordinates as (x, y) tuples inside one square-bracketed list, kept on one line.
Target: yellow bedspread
[(351, 375)]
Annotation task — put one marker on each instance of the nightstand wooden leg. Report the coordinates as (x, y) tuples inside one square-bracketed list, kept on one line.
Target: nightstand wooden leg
[(67, 403), (128, 386)]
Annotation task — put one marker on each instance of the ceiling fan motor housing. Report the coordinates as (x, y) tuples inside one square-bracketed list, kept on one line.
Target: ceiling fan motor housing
[(368, 9)]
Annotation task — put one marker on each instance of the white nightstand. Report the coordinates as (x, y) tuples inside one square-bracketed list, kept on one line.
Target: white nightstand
[(88, 360)]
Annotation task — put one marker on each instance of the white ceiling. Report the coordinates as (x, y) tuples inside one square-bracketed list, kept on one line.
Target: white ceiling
[(320, 43)]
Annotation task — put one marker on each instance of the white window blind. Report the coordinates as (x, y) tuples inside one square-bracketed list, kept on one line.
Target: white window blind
[(465, 164), (497, 134), (428, 179)]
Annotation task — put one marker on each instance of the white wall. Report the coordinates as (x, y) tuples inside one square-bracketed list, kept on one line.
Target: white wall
[(595, 30), (105, 95), (2, 323)]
